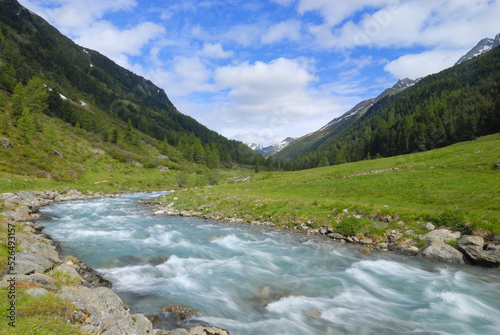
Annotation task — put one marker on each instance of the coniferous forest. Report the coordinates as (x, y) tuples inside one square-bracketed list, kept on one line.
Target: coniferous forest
[(457, 104)]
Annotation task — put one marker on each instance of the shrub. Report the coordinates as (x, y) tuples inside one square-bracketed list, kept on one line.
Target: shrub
[(351, 226), (455, 219)]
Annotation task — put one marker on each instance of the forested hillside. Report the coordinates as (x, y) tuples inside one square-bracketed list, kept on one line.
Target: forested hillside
[(89, 91), (457, 104)]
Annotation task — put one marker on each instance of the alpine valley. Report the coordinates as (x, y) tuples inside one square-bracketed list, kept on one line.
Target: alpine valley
[(159, 225)]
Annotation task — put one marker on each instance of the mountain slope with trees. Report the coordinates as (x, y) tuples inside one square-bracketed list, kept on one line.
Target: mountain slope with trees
[(457, 104), (92, 93)]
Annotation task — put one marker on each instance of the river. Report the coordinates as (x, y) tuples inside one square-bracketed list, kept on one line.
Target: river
[(249, 280)]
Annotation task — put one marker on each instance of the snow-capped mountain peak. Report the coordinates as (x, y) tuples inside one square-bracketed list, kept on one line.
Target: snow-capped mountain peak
[(485, 45)]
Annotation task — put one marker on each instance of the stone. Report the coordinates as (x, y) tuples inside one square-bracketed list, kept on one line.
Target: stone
[(35, 292), (105, 313), (473, 247), (336, 236), (442, 235), (442, 252), (180, 312), (382, 245), (92, 278), (28, 262), (35, 280), (206, 330), (367, 240), (430, 226), (6, 143), (404, 249), (69, 270)]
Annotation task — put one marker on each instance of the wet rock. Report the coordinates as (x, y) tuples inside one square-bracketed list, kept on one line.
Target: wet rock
[(91, 277), (206, 330), (336, 236), (442, 252), (404, 249), (442, 235), (180, 312), (367, 240), (158, 260), (473, 247)]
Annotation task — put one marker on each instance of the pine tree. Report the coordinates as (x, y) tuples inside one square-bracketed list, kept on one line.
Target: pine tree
[(18, 100), (26, 125)]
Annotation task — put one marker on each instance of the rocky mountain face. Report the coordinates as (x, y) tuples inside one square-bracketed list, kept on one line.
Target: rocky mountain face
[(485, 45), (272, 149)]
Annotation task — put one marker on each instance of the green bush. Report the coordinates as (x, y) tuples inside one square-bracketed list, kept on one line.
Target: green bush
[(351, 226), (455, 219)]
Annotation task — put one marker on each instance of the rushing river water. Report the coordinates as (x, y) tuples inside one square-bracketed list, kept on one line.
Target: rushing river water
[(252, 281)]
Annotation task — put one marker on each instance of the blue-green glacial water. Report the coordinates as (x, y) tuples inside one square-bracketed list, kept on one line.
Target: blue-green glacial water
[(252, 281)]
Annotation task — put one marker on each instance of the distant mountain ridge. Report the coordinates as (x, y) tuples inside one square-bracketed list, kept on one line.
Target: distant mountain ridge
[(272, 149), (485, 45), (326, 134)]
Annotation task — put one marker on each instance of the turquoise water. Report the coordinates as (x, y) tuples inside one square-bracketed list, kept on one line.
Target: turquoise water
[(253, 281)]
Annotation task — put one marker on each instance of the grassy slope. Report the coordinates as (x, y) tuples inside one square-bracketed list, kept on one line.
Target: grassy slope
[(460, 178), (22, 165)]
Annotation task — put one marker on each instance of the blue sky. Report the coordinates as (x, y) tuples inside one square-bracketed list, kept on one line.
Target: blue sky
[(260, 71)]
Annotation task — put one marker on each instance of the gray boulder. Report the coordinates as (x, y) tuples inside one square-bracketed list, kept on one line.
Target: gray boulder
[(92, 278), (442, 235), (35, 280), (28, 262), (35, 292), (207, 330), (473, 247), (105, 313), (442, 252)]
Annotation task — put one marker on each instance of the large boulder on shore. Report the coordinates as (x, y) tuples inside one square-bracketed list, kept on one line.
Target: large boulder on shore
[(442, 252), (473, 247), (442, 235), (101, 311), (28, 262)]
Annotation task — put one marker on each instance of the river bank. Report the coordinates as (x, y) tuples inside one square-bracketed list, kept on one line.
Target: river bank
[(441, 244), (34, 265)]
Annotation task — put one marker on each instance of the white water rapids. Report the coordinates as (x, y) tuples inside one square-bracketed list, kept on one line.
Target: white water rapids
[(253, 281)]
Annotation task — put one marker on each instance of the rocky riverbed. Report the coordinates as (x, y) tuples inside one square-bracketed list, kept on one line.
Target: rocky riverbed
[(470, 249), (39, 270)]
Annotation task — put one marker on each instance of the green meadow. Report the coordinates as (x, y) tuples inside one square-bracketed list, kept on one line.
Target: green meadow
[(457, 186)]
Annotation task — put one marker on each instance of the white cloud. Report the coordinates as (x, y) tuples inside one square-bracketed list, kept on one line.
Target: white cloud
[(214, 51), (77, 13), (262, 101), (280, 31), (116, 43), (418, 65), (187, 75)]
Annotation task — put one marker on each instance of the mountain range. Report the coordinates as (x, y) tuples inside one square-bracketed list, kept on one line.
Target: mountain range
[(313, 141), (272, 149)]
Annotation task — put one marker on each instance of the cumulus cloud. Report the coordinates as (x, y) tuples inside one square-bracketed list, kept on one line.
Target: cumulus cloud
[(114, 43), (82, 20), (77, 13), (214, 51), (264, 100), (419, 65), (280, 31), (186, 76)]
